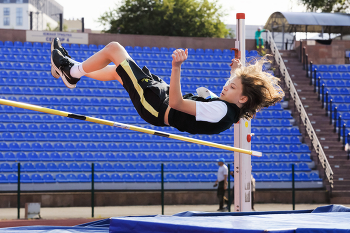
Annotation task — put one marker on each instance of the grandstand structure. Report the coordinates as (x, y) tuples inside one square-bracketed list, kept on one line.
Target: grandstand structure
[(56, 153), (331, 122)]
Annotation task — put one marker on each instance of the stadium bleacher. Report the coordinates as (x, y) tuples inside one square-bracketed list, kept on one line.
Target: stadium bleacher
[(336, 80), (54, 149)]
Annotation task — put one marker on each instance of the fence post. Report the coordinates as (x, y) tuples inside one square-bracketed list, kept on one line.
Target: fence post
[(330, 111), (92, 190), (344, 128), (229, 188), (293, 187), (18, 190), (335, 119), (162, 187), (315, 84), (310, 71), (303, 59), (348, 149), (327, 103), (319, 89), (300, 48), (339, 128), (306, 64), (322, 96)]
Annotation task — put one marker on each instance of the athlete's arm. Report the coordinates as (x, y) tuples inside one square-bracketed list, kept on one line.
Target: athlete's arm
[(175, 96)]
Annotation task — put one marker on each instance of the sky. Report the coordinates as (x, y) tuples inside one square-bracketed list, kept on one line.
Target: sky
[(257, 11)]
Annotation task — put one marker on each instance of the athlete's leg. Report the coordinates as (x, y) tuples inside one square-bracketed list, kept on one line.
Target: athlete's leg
[(105, 74), (113, 52)]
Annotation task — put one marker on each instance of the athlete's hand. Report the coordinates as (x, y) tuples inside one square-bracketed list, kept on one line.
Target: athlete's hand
[(236, 63), (179, 56)]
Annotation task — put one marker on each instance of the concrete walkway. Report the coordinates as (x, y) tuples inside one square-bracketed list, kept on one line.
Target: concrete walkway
[(115, 211)]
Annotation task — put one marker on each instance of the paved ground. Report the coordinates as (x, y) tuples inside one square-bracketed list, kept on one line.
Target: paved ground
[(115, 211)]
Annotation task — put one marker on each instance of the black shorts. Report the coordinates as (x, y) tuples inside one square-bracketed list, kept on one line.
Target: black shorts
[(148, 92)]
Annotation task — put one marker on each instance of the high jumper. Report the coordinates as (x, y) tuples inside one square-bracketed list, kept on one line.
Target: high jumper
[(248, 89)]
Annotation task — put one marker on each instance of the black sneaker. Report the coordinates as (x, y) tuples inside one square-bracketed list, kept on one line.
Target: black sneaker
[(56, 44), (62, 66)]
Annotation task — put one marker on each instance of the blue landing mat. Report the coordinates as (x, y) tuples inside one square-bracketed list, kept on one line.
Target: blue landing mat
[(325, 219), (283, 223)]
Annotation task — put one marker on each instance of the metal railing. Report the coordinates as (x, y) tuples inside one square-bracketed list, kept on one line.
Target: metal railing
[(300, 108)]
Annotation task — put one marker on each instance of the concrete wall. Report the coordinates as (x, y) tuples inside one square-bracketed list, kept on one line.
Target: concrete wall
[(326, 54), (142, 40), (200, 197)]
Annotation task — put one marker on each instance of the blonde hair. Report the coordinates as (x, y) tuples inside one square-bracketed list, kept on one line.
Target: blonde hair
[(260, 87)]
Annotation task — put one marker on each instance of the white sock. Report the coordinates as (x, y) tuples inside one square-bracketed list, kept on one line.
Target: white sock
[(77, 70), (73, 61)]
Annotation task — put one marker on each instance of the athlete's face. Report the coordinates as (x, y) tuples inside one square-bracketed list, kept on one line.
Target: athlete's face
[(232, 92)]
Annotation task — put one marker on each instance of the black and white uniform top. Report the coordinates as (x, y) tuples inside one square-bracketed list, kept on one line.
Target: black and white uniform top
[(150, 97), (213, 115)]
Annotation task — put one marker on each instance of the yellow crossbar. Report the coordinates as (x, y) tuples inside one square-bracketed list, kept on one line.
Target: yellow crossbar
[(125, 126)]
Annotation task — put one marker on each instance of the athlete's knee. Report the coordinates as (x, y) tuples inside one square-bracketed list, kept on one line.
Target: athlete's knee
[(114, 47)]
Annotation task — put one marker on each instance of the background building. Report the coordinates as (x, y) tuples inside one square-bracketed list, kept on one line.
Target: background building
[(15, 14)]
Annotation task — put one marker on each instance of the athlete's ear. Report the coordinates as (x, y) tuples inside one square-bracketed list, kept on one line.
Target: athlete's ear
[(243, 99)]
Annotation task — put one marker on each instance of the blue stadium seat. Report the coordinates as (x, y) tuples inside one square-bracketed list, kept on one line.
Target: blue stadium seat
[(29, 167), (5, 167), (40, 167), (314, 177), (52, 167), (12, 178), (83, 178), (25, 178), (104, 177), (85, 167), (61, 178), (212, 177), (72, 178), (171, 167), (3, 178), (149, 178), (305, 158), (118, 167), (63, 167), (44, 156), (78, 156), (302, 177), (273, 177), (169, 177), (138, 177), (302, 167), (116, 178), (262, 177), (36, 178), (126, 177)]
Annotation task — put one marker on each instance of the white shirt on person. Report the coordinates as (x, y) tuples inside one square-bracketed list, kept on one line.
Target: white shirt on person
[(222, 171), (211, 112)]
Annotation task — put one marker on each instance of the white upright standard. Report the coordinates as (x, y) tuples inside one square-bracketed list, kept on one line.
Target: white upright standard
[(242, 139)]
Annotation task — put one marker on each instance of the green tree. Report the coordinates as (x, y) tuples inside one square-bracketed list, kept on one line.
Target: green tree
[(195, 18), (334, 6)]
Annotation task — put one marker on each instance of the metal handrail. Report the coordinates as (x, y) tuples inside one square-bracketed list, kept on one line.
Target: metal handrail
[(303, 115)]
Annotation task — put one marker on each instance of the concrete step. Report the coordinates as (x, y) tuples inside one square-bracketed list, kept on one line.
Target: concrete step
[(345, 193), (337, 158), (341, 187)]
